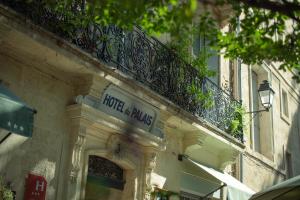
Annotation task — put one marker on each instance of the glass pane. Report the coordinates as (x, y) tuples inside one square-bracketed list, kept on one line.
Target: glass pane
[(289, 164), (265, 98), (285, 109), (213, 63), (201, 44)]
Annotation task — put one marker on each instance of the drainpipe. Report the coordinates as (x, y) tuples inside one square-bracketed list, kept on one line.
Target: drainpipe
[(241, 99)]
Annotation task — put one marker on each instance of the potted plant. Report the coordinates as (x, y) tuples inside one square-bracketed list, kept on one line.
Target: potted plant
[(5, 191)]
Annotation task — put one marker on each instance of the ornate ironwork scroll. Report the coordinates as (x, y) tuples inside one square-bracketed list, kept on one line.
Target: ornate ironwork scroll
[(143, 58), (104, 172), (101, 167)]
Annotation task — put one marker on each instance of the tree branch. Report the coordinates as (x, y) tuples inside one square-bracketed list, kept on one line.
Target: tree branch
[(286, 8)]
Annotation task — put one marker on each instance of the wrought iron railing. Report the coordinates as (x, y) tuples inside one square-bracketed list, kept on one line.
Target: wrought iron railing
[(144, 58)]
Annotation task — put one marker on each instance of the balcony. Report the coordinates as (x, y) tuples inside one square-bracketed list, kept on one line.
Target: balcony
[(143, 58)]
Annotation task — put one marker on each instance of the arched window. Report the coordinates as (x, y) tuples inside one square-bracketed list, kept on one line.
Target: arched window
[(104, 172)]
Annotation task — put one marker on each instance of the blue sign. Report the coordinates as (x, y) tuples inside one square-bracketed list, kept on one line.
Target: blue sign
[(133, 113), (128, 108)]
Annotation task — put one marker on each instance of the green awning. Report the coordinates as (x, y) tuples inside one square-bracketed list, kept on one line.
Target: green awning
[(286, 190), (15, 115)]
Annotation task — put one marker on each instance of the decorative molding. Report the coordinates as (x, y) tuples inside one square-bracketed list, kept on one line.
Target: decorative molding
[(150, 163), (89, 116), (76, 154)]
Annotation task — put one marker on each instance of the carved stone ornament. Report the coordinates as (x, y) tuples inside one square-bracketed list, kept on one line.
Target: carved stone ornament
[(150, 165), (116, 147), (76, 154)]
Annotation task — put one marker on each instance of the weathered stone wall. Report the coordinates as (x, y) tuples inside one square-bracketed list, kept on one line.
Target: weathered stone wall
[(42, 154), (168, 158), (259, 174), (261, 171), (280, 134)]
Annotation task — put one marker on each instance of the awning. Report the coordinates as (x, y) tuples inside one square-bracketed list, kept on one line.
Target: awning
[(194, 183), (15, 115), (236, 189), (286, 190)]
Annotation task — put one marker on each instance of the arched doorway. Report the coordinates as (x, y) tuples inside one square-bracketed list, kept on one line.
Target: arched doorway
[(105, 180)]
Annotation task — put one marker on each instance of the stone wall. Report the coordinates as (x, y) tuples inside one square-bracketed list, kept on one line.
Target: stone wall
[(258, 174), (42, 154), (261, 171)]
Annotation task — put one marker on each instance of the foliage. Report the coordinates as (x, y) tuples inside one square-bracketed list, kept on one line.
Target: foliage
[(181, 44), (5, 191), (203, 98), (154, 16), (262, 35), (267, 30), (236, 124), (162, 194)]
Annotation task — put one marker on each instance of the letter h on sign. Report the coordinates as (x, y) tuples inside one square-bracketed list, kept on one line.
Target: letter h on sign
[(39, 186)]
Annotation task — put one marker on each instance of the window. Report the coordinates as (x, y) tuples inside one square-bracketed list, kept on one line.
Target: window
[(105, 179), (201, 44), (284, 105), (233, 79), (282, 159), (289, 166), (261, 123)]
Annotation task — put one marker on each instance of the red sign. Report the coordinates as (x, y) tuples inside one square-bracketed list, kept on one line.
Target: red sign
[(35, 187)]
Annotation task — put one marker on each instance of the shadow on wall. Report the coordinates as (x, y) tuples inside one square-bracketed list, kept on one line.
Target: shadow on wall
[(291, 156)]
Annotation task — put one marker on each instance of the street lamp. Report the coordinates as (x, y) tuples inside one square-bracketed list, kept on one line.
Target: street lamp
[(266, 94)]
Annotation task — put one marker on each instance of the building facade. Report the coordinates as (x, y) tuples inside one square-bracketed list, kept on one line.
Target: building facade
[(115, 119), (272, 137)]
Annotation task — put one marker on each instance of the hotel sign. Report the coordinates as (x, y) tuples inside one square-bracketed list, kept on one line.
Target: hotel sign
[(36, 186), (128, 108)]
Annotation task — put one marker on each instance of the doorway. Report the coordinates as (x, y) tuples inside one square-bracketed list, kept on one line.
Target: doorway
[(105, 179)]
